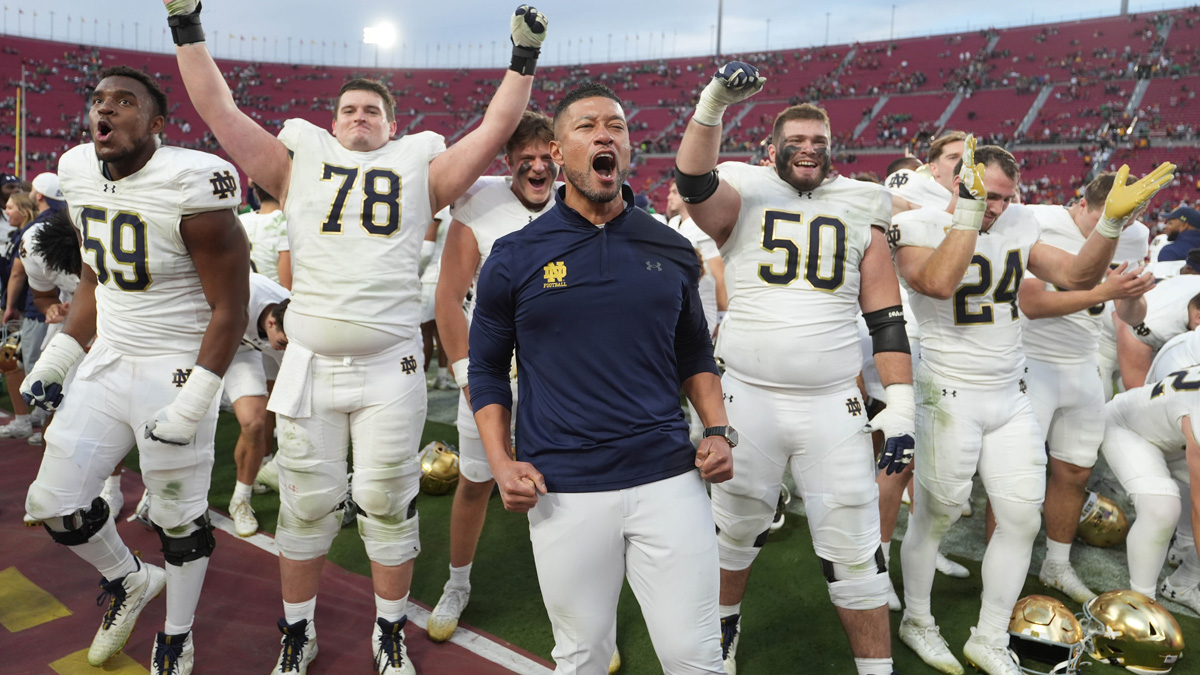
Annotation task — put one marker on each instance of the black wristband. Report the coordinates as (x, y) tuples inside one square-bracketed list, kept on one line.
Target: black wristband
[(186, 28), (524, 60)]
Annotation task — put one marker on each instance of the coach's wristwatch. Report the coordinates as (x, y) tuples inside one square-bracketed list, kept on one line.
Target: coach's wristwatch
[(727, 432)]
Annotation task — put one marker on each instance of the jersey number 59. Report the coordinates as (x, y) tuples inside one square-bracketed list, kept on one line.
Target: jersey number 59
[(125, 235)]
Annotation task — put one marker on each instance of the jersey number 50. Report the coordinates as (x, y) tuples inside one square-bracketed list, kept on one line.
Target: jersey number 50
[(381, 193), (126, 236), (825, 280)]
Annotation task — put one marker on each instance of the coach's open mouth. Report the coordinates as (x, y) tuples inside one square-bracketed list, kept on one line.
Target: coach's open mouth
[(604, 164)]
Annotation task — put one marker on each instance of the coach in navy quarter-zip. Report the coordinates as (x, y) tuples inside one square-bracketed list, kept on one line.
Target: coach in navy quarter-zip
[(600, 301)]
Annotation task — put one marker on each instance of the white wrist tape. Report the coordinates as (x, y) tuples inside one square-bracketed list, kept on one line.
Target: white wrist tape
[(900, 398), (59, 355), (710, 108), (1111, 227), (459, 368), (197, 395), (968, 214)]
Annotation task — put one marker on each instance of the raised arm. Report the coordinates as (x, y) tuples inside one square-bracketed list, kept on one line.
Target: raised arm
[(262, 156), (712, 202), (453, 171), (1087, 268), (460, 257)]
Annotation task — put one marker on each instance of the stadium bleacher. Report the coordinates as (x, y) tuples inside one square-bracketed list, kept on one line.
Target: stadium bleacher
[(1091, 64)]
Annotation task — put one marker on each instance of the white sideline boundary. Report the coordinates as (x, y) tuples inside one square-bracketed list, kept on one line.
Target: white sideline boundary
[(463, 637)]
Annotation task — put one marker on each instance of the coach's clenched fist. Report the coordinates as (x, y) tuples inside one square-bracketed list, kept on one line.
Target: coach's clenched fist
[(520, 484), (714, 458)]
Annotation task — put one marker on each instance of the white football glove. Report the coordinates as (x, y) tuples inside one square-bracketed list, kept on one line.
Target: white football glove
[(43, 386), (528, 27), (896, 423), (176, 423), (735, 81)]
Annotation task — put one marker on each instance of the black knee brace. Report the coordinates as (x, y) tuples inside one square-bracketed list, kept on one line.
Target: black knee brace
[(78, 527), (830, 577), (199, 543)]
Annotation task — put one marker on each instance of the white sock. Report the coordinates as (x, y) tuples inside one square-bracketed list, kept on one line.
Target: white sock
[(460, 577), (927, 526), (242, 491), (1149, 539), (299, 611), (443, 372), (391, 610), (873, 666), (991, 626), (23, 419), (729, 610), (107, 553), (1148, 591), (887, 554), (183, 594), (1058, 552), (1005, 565)]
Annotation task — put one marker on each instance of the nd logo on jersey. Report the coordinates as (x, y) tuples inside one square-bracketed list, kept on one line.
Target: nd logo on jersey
[(555, 274), (180, 377)]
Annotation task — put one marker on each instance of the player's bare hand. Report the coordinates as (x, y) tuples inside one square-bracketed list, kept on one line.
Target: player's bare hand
[(520, 484), (1125, 282), (11, 313), (714, 458), (57, 313)]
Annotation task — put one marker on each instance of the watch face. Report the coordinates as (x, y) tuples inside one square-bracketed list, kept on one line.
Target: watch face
[(731, 435)]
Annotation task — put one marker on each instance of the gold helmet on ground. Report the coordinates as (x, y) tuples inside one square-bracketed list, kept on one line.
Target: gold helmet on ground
[(10, 351), (1101, 522), (1129, 629), (439, 468), (1042, 629)]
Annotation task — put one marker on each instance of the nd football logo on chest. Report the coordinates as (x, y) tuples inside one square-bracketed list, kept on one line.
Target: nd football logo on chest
[(555, 275)]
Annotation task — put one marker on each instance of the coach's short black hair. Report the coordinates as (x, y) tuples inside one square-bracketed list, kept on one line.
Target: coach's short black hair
[(587, 89), (910, 163), (160, 98), (58, 243)]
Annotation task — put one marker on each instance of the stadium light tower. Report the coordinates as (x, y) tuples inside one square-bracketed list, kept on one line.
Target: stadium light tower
[(381, 35)]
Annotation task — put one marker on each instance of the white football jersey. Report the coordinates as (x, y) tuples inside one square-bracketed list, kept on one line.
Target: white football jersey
[(1132, 247), (975, 335), (707, 248), (919, 188), (149, 301), (41, 277), (1167, 310), (492, 210), (1155, 410), (1180, 352), (1070, 339), (268, 234), (355, 225), (792, 270), (263, 292)]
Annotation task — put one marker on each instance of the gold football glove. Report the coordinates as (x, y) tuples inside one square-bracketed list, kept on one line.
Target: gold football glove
[(971, 174), (1123, 200)]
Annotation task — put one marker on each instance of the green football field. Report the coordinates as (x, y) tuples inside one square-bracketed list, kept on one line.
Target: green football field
[(788, 625)]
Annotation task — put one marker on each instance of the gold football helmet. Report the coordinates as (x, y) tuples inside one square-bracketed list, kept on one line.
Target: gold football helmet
[(1042, 629), (1129, 629), (439, 468), (10, 352), (1101, 522)]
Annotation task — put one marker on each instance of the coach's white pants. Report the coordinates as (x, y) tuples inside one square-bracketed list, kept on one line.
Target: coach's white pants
[(661, 537)]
